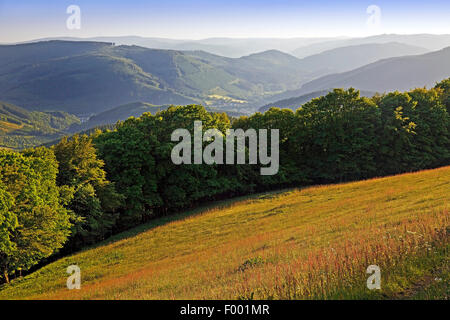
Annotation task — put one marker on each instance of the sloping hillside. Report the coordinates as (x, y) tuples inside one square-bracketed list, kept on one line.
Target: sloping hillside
[(429, 41), (299, 47), (20, 128), (402, 73), (274, 70), (123, 112), (297, 244), (296, 102), (87, 78), (82, 84), (96, 76), (352, 57), (227, 47)]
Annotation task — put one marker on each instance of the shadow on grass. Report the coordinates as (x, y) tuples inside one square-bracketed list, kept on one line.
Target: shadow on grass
[(198, 210), (157, 222)]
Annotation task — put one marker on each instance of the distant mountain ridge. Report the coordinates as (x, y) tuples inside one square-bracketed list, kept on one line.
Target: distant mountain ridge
[(300, 47), (401, 73), (432, 42), (87, 78), (227, 47), (94, 76), (351, 57)]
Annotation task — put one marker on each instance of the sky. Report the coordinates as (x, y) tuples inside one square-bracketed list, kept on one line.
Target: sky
[(22, 20)]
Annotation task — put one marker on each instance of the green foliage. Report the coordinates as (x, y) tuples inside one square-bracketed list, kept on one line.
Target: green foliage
[(117, 179), (431, 142), (283, 120), (335, 137), (20, 128), (251, 263), (91, 78), (8, 221), (444, 87), (94, 199), (29, 179), (127, 152), (396, 132), (295, 102), (137, 157)]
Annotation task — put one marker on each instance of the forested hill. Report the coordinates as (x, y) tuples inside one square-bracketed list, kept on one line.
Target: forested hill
[(20, 128), (400, 73), (111, 116), (351, 57), (88, 78), (84, 189), (123, 112), (296, 102)]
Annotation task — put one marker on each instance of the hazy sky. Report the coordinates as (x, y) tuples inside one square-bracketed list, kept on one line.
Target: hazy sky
[(30, 19)]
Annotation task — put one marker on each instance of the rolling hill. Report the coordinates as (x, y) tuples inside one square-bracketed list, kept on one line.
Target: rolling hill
[(88, 78), (313, 243), (296, 102), (79, 83), (299, 47), (431, 42), (352, 57), (95, 76), (400, 73), (123, 112), (274, 70), (135, 109), (227, 47), (20, 128)]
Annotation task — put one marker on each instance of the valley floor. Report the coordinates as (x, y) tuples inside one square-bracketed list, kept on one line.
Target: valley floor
[(313, 243)]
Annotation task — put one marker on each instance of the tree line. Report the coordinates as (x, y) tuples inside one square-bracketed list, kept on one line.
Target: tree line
[(85, 188)]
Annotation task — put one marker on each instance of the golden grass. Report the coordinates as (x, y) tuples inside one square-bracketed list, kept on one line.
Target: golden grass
[(6, 127), (299, 244)]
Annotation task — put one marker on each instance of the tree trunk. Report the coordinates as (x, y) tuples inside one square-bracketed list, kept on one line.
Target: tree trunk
[(5, 274)]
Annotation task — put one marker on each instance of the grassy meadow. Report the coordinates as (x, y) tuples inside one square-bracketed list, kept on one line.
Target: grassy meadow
[(312, 243)]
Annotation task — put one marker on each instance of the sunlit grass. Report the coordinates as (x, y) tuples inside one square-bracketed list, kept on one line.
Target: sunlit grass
[(299, 244), (6, 127)]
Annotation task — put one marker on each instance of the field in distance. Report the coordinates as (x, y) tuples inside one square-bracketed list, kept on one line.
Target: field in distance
[(312, 243)]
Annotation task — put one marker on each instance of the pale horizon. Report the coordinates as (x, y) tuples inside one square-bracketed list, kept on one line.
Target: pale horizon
[(200, 19), (231, 38)]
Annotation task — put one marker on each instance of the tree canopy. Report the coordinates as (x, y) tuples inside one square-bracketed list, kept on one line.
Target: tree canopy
[(85, 188)]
